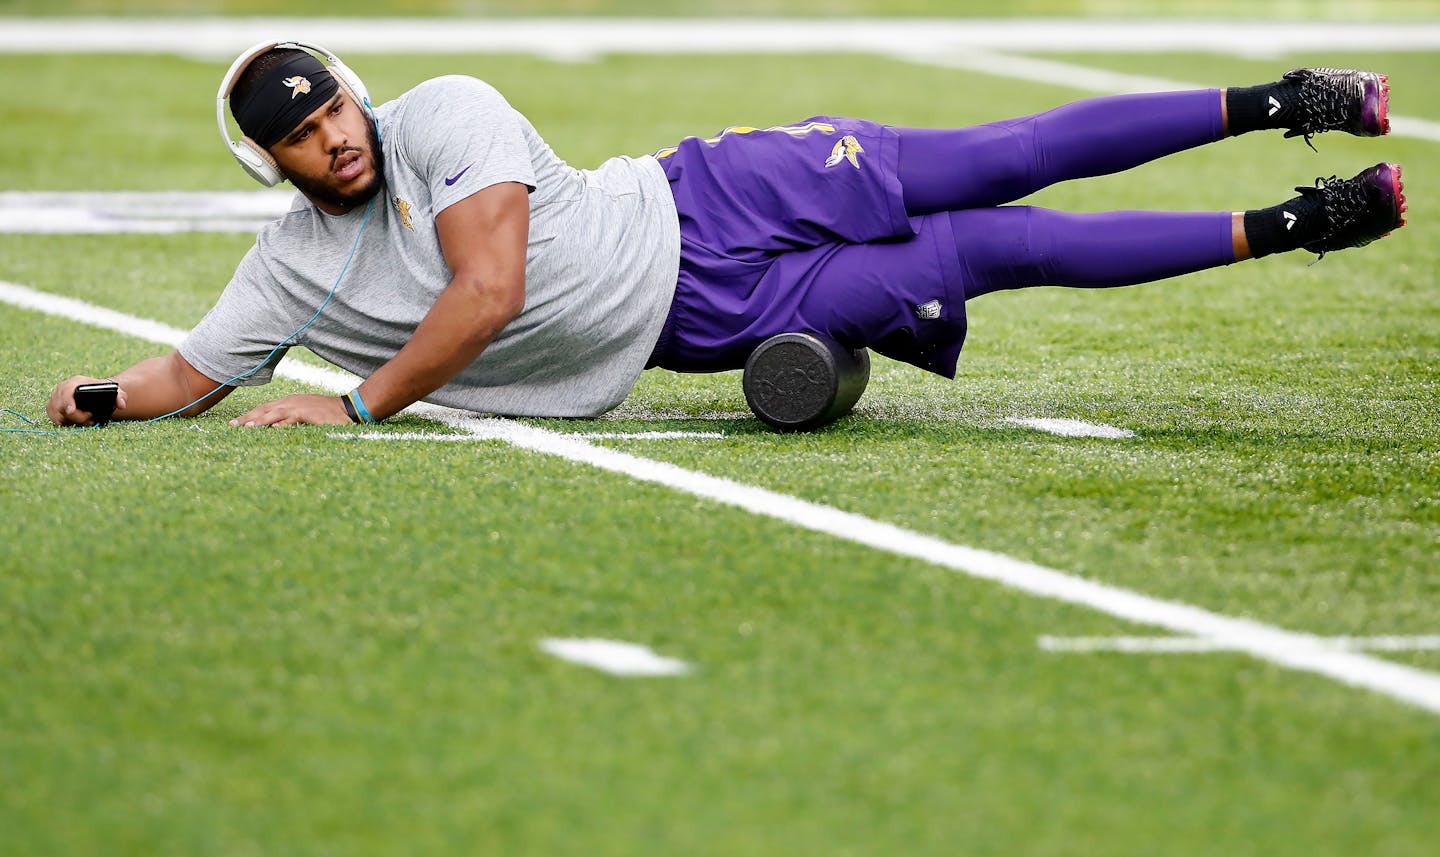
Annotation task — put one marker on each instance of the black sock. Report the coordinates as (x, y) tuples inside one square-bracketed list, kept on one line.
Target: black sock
[(1255, 108), (1286, 226)]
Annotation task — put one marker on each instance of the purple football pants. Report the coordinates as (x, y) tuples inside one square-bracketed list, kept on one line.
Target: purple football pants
[(881, 243), (965, 171)]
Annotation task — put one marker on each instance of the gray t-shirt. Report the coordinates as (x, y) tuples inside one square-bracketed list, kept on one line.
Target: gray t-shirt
[(600, 268)]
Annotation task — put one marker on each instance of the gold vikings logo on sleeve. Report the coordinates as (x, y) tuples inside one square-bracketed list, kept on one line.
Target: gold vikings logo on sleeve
[(298, 85), (846, 150)]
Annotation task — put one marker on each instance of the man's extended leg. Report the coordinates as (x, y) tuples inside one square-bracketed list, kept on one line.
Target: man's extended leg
[(984, 165), (1016, 246)]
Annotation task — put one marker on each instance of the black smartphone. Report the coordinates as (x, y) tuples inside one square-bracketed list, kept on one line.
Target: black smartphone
[(98, 400)]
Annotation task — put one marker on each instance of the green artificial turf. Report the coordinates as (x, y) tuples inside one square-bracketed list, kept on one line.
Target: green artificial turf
[(222, 641)]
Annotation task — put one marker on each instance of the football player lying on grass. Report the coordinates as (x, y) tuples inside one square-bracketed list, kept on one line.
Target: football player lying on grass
[(440, 250)]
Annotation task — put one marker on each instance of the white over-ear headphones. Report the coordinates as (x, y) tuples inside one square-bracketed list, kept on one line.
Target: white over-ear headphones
[(252, 156)]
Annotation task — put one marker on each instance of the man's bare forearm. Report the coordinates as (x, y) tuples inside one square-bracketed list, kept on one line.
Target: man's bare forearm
[(160, 385)]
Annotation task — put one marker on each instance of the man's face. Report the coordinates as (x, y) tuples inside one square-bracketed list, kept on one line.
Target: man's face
[(334, 156)]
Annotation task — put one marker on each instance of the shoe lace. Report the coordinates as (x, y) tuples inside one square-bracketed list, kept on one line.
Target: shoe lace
[(1344, 201), (1322, 105)]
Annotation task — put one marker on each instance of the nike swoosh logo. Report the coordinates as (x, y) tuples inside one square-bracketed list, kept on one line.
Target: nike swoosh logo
[(455, 178)]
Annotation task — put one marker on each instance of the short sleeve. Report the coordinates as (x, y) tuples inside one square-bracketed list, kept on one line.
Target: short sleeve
[(235, 343), (461, 136)]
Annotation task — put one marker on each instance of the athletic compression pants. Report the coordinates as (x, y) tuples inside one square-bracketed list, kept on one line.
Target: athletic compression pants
[(968, 171)]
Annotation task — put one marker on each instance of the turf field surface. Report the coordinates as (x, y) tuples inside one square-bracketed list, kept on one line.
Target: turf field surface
[(229, 641)]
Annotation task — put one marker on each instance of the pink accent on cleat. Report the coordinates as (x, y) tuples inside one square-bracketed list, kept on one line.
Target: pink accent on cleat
[(1399, 187), (1382, 118)]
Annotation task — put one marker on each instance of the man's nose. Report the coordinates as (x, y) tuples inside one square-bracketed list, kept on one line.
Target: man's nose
[(332, 136)]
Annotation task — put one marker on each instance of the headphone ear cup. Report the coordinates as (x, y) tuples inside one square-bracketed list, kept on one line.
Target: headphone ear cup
[(257, 162)]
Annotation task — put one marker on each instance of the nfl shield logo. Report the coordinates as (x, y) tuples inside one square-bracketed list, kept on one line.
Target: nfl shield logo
[(928, 311)]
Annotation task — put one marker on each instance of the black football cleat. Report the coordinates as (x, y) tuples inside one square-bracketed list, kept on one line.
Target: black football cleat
[(1339, 99), (1358, 210)]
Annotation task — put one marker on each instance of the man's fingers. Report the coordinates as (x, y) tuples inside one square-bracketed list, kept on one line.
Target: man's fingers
[(66, 415), (61, 403), (248, 418), (268, 414), (292, 411), (72, 417), (61, 408)]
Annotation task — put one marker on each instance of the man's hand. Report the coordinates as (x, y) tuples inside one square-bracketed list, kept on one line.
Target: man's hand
[(294, 410), (154, 387), (61, 408)]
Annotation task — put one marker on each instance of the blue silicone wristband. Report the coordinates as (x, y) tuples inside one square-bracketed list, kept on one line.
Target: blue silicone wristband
[(360, 407)]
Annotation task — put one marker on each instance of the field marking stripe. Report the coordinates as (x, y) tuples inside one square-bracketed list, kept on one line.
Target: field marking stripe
[(1198, 645), (470, 438), (88, 313), (615, 657), (222, 37), (151, 331), (1071, 428), (1089, 79), (149, 212), (587, 435), (1303, 652)]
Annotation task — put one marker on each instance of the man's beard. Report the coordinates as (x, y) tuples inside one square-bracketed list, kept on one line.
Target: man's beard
[(316, 188)]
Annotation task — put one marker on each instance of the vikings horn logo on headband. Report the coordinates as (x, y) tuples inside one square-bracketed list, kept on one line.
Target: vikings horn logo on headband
[(298, 85)]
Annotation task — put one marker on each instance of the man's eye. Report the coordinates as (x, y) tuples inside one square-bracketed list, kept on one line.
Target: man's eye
[(335, 111), (303, 135)]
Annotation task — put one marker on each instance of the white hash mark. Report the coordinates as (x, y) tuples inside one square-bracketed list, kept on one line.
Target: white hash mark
[(614, 657)]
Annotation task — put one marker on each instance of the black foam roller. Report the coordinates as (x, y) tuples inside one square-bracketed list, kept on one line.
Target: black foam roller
[(800, 381)]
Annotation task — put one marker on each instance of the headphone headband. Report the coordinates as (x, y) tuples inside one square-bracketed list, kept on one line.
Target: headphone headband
[(252, 157)]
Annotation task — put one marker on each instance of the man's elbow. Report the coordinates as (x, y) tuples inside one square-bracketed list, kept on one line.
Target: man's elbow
[(191, 387), (512, 304), (501, 299)]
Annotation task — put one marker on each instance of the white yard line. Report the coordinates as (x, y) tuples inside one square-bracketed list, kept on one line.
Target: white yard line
[(1297, 651), (115, 212), (614, 657), (222, 38), (1071, 428), (152, 331), (597, 435), (1194, 645)]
